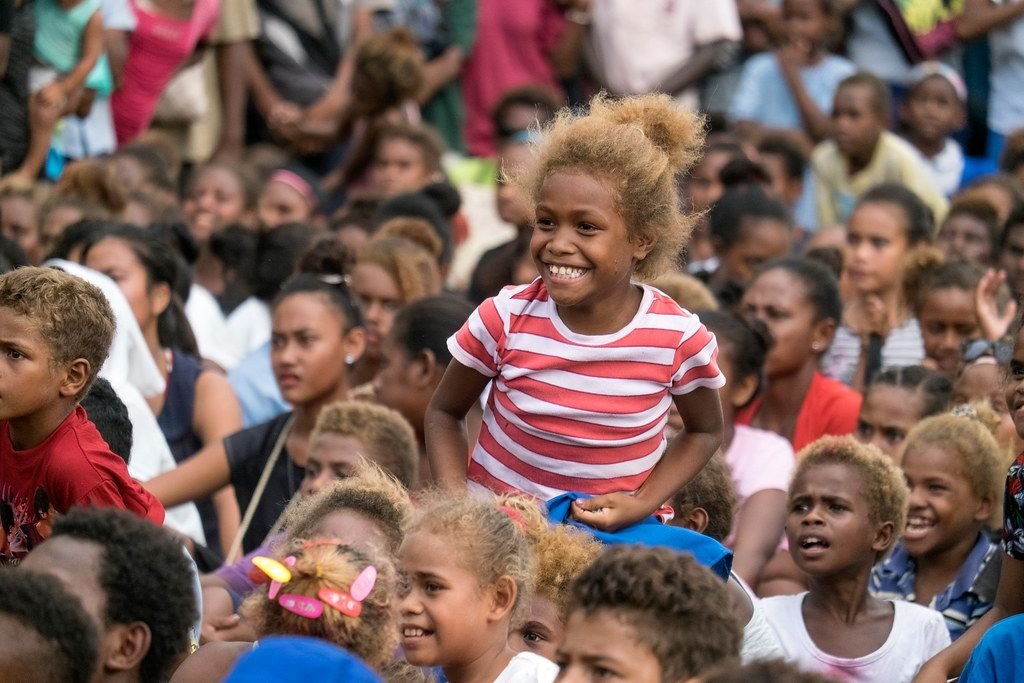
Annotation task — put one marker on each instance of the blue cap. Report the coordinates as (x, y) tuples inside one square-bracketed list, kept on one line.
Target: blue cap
[(293, 659)]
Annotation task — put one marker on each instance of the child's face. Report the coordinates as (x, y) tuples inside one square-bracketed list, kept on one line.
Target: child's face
[(963, 237), (603, 646), (761, 240), (29, 380), (876, 247), (444, 610), (778, 300), (399, 384), (703, 187), (1014, 391), (886, 415), (280, 204), (214, 200), (115, 259), (542, 632), (933, 111), (18, 223), (581, 243), (398, 167), (308, 346), (1011, 258), (983, 381), (857, 122), (335, 457), (944, 511), (787, 189), (379, 297), (513, 203), (829, 525), (805, 21), (947, 318)]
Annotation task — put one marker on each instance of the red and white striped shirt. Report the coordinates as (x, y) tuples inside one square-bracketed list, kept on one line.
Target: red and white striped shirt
[(573, 412)]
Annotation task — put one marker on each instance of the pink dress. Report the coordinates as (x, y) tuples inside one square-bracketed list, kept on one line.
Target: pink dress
[(157, 49), (514, 39)]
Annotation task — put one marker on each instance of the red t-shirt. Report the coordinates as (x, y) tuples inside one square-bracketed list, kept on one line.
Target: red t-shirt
[(74, 466), (829, 408)]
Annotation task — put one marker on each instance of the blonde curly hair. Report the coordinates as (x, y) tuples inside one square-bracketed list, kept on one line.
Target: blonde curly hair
[(638, 145)]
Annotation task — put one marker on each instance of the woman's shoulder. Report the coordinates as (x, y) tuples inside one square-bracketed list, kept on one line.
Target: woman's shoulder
[(256, 440)]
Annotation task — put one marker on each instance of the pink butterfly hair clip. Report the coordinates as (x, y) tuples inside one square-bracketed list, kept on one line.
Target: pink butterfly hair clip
[(350, 603)]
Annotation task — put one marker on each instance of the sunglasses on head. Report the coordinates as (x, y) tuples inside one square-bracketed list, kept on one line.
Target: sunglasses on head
[(973, 349)]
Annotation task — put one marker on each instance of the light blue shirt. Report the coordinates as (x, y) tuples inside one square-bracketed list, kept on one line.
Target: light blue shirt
[(762, 95), (257, 390), (1006, 103)]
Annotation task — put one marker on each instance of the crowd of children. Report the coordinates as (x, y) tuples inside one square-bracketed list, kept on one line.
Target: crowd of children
[(646, 392)]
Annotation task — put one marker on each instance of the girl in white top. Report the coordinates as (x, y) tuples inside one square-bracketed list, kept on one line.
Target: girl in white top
[(847, 505), (469, 569)]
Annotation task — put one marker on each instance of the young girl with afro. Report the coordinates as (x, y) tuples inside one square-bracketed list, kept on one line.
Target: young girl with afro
[(947, 560), (319, 588), (584, 362), (467, 574)]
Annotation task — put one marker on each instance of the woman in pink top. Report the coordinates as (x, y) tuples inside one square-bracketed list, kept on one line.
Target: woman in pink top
[(164, 39)]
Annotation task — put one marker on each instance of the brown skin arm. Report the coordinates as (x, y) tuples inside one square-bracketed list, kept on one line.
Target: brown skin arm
[(444, 423), (92, 48), (1009, 601), (699, 65), (198, 477), (981, 16), (758, 530), (234, 91), (684, 457)]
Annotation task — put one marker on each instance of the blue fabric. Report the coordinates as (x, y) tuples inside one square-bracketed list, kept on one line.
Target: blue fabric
[(763, 96), (960, 603), (999, 657), (257, 390), (300, 660), (650, 532)]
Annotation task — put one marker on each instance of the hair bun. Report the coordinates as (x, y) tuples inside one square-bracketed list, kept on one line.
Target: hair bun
[(675, 131)]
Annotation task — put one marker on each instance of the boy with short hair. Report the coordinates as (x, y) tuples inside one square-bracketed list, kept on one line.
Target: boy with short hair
[(646, 614), (55, 331), (935, 108), (862, 154)]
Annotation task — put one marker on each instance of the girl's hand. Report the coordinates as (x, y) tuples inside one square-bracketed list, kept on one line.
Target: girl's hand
[(793, 55), (53, 97), (994, 324), (610, 512), (875, 317)]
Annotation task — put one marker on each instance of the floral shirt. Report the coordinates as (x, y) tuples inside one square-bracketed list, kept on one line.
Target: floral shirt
[(1013, 510)]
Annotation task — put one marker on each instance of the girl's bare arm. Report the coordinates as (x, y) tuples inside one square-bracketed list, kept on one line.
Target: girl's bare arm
[(447, 446)]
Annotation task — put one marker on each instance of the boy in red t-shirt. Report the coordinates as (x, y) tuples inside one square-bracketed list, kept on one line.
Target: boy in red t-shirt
[(55, 331)]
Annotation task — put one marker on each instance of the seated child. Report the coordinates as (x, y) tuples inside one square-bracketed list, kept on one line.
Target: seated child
[(562, 553), (320, 588), (895, 400), (847, 505), (468, 570), (970, 232), (406, 157), (935, 109), (290, 195), (862, 154), (947, 313), (55, 332), (646, 614), (145, 622), (946, 559), (45, 634)]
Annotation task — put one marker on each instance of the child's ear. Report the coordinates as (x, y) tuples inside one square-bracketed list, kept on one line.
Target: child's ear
[(76, 376), (983, 512), (503, 598), (642, 245), (423, 368), (884, 537), (697, 519), (132, 646), (744, 390)]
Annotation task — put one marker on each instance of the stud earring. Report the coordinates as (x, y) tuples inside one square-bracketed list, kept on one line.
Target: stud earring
[(349, 359)]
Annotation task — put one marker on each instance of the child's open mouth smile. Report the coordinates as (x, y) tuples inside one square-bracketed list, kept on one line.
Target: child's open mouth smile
[(562, 274), (918, 527)]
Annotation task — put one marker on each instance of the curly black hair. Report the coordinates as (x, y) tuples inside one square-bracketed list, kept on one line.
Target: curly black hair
[(110, 415), (40, 602), (676, 607), (146, 577)]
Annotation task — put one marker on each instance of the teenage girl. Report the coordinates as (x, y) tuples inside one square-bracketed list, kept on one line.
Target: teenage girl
[(317, 334), (198, 407), (469, 571), (389, 273), (798, 301), (947, 313), (316, 600), (570, 408), (760, 461), (884, 237), (414, 357), (895, 400)]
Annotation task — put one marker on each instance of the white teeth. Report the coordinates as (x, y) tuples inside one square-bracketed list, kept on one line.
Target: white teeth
[(412, 632), (566, 272)]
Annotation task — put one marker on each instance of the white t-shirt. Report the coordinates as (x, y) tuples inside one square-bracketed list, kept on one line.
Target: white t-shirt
[(210, 328), (527, 667), (917, 634), (759, 639), (248, 326)]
